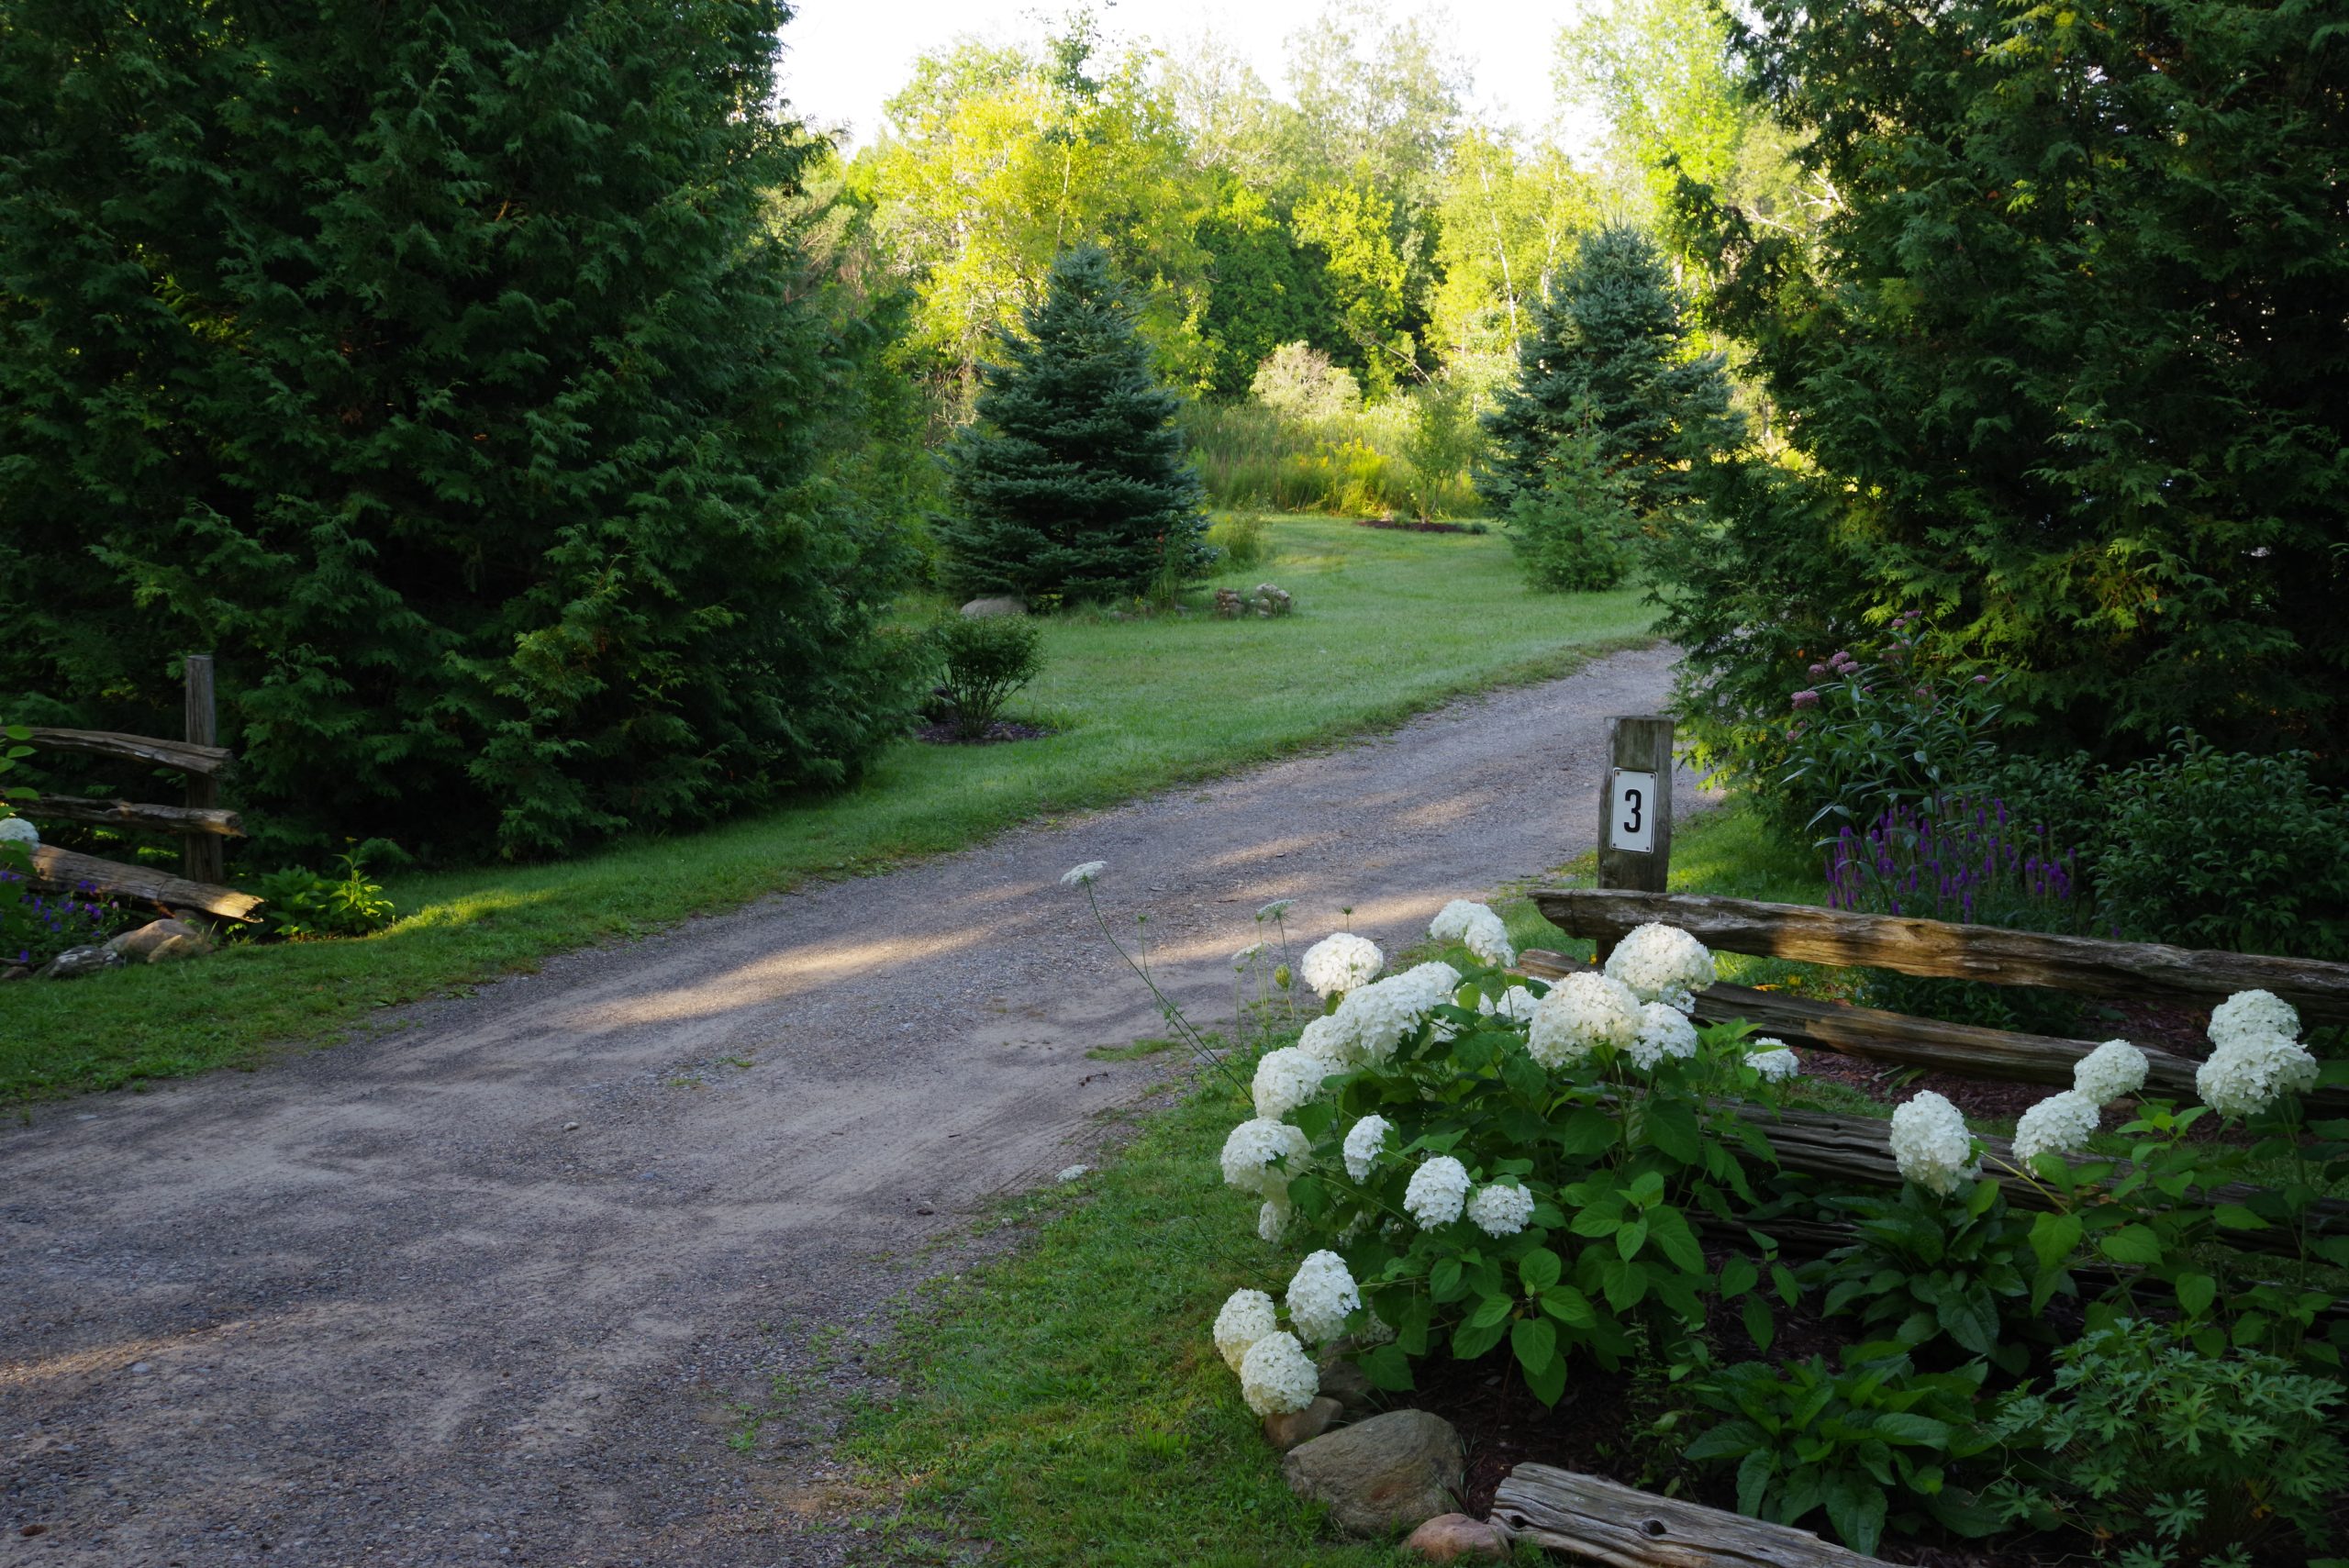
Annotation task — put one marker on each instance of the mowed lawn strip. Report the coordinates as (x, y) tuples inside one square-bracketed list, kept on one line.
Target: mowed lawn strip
[(1388, 624)]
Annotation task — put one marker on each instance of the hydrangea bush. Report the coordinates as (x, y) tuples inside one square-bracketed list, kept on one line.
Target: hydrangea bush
[(1491, 1164)]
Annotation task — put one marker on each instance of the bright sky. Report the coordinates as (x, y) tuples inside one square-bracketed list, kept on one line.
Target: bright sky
[(845, 57)]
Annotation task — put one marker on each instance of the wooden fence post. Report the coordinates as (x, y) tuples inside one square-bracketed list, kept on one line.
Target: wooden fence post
[(1635, 807), (201, 853)]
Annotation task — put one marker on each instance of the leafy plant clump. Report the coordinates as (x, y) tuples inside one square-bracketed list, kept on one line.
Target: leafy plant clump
[(300, 905), (1571, 530), (984, 659)]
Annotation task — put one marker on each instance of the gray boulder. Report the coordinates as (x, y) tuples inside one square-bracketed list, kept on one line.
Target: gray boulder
[(1285, 1432), (75, 962), (978, 609), (1391, 1472), (139, 946)]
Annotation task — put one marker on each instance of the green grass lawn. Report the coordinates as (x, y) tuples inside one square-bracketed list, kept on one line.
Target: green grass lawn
[(1388, 624)]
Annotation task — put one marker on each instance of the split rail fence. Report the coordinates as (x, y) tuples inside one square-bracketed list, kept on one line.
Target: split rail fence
[(201, 824)]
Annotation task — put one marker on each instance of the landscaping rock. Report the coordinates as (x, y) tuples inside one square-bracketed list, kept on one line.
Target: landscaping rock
[(15, 971), (75, 962), (1345, 1382), (1285, 1432), (978, 609), (173, 948), (1453, 1538), (1391, 1472), (139, 946)]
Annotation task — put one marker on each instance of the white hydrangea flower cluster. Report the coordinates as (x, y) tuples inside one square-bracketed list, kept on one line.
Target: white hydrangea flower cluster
[(1277, 1377), (1340, 962), (1438, 1190), (1286, 1079), (19, 830), (1498, 1210), (2249, 1073), (1252, 1146), (1516, 1002), (1476, 928), (2253, 1013), (1774, 1060), (2259, 1058), (1324, 1040), (1451, 922), (1663, 1031), (1271, 1218), (1372, 1019), (1932, 1146), (1581, 1013), (1320, 1296), (2109, 1073), (1365, 1141), (1246, 1317), (2060, 1124), (1662, 964)]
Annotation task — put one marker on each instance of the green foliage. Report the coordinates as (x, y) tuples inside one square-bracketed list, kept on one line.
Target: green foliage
[(1571, 530), (1871, 1444), (1957, 1277), (301, 904), (460, 402), (985, 659), (2219, 849), (1073, 480), (2143, 1437), (1350, 466), (36, 927), (1301, 388), (2066, 364), (1607, 348), (1241, 539), (1443, 444), (1270, 289)]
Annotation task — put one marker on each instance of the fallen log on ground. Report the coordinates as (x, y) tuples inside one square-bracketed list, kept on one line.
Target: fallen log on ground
[(1626, 1528)]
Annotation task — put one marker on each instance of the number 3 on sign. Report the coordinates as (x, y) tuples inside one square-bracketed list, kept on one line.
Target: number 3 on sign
[(1631, 825)]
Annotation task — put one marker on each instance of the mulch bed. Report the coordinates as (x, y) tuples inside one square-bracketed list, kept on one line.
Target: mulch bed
[(1402, 527), (944, 733)]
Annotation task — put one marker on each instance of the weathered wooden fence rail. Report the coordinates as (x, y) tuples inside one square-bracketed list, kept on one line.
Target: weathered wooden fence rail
[(201, 825), (1626, 1528)]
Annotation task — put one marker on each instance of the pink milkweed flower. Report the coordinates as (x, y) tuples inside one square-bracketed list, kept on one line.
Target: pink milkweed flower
[(1817, 670), (1806, 699)]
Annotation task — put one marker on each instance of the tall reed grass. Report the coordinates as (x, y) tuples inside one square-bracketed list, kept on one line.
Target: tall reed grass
[(1350, 465)]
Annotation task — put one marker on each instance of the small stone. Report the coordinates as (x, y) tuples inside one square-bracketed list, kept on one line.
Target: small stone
[(1391, 1472), (142, 1366), (1449, 1538), (979, 609), (1074, 1172), (1343, 1381), (136, 945), (571, 1127), (1286, 1432), (75, 962)]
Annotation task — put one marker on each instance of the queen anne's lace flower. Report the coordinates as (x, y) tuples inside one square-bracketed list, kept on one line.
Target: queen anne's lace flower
[(1365, 1141), (1662, 964), (1581, 1013), (1320, 1296), (18, 831), (1271, 1218), (1247, 955), (1084, 875), (1276, 909), (1498, 1210), (1247, 1317), (2111, 1070), (1340, 962), (1663, 1031), (1249, 1152), (1438, 1190), (1286, 1079), (1932, 1146), (2249, 1072), (1773, 1059), (2060, 1124), (1277, 1377), (1516, 1002), (2254, 1012)]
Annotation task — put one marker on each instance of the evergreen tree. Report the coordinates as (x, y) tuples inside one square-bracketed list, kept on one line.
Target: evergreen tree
[(1608, 351), (2068, 366), (1073, 479), (440, 369)]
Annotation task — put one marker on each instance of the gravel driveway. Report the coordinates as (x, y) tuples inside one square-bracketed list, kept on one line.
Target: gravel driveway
[(492, 1287)]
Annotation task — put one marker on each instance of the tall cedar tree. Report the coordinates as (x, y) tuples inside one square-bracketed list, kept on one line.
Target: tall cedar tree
[(2068, 365), (1073, 479), (439, 368), (1608, 351)]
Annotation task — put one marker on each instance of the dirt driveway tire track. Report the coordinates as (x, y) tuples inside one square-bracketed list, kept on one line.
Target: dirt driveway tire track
[(386, 1304)]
